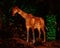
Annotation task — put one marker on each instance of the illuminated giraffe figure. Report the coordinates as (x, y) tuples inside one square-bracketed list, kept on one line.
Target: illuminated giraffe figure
[(31, 22)]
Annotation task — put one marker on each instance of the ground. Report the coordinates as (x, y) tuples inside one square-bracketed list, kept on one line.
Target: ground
[(19, 43)]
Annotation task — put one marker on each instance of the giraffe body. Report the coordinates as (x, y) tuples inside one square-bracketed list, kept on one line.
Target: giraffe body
[(31, 22), (34, 22)]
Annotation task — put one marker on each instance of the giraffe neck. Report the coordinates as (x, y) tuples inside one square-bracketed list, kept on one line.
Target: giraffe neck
[(22, 13)]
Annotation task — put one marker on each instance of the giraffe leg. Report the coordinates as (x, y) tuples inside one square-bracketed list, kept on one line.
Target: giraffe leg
[(39, 33), (44, 35), (33, 36), (27, 35)]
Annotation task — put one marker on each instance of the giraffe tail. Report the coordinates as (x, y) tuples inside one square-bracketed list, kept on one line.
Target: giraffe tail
[(46, 28)]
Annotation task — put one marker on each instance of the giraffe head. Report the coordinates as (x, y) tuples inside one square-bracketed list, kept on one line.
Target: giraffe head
[(14, 10)]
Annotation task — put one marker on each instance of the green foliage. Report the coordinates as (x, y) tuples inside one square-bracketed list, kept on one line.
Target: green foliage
[(29, 9), (51, 33)]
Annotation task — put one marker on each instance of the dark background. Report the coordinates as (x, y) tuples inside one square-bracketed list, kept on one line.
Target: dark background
[(44, 7), (7, 31)]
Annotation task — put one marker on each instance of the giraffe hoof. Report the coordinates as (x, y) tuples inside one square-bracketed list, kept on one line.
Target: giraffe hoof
[(33, 41)]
